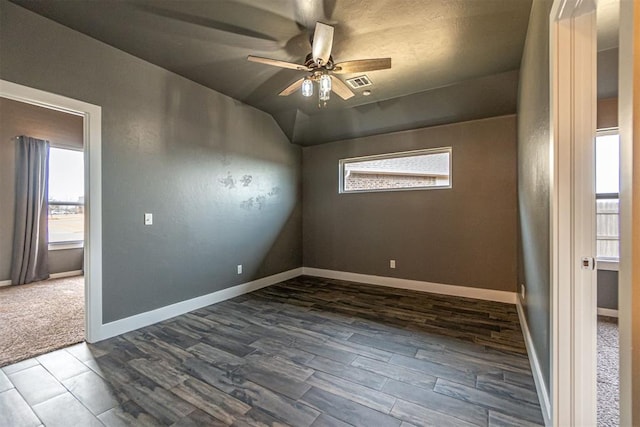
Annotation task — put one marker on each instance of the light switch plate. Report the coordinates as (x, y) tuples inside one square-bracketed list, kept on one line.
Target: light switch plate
[(239, 268), (148, 219), (392, 263)]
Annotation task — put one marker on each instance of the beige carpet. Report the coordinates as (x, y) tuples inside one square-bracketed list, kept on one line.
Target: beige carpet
[(608, 373), (40, 317)]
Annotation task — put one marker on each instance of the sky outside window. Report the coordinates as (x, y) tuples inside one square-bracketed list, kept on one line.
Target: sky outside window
[(66, 175), (608, 164)]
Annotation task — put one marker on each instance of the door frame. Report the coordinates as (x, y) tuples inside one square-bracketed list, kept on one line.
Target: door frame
[(629, 273), (92, 143), (573, 49)]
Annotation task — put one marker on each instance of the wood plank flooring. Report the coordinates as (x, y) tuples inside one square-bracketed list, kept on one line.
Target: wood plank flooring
[(309, 352)]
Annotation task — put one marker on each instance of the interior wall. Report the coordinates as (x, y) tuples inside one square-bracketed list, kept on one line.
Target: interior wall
[(608, 289), (607, 113), (220, 177), (463, 236), (607, 70), (62, 130), (534, 182)]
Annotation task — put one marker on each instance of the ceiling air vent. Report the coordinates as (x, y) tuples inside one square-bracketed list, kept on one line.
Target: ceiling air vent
[(358, 82)]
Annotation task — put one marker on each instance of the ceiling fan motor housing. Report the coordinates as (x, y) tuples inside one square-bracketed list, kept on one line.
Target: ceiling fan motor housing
[(311, 63)]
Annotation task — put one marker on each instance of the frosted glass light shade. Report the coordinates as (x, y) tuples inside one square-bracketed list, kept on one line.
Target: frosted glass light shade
[(325, 87), (307, 87)]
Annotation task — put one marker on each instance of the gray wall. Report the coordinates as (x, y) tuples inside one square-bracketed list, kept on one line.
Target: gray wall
[(607, 73), (465, 235), (18, 118), (533, 181), (608, 289), (221, 179)]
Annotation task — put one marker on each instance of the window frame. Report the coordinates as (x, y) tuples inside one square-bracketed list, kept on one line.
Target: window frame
[(395, 155), (606, 263), (66, 244)]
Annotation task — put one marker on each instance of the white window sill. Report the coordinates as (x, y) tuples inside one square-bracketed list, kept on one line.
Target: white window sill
[(608, 265), (65, 245)]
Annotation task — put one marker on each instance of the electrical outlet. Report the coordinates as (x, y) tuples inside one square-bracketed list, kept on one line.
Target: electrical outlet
[(148, 219), (392, 263), (522, 290), (239, 268)]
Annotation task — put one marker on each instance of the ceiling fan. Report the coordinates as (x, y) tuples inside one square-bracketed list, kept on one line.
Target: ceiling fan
[(320, 66)]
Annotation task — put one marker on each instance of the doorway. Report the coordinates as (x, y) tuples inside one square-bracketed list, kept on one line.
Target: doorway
[(38, 315), (607, 207), (92, 136)]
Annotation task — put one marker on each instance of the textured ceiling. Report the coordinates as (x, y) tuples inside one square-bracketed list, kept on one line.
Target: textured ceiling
[(451, 59), (608, 24)]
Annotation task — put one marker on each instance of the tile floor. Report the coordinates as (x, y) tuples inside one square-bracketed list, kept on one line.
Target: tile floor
[(55, 389)]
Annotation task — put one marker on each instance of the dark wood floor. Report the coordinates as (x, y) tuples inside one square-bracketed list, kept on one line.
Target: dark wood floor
[(315, 352)]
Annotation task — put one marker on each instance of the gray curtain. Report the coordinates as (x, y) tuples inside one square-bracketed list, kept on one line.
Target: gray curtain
[(30, 260)]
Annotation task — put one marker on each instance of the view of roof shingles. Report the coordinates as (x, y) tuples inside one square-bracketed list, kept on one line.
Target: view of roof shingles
[(436, 164)]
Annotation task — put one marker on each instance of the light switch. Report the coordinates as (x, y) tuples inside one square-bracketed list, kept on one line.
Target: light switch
[(239, 268), (148, 219)]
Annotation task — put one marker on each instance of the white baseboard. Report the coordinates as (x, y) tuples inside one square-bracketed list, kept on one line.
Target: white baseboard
[(141, 320), (415, 285), (51, 276), (541, 388), (66, 274), (607, 312)]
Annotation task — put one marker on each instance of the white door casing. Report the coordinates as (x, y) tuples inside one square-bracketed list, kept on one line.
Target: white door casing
[(573, 47), (92, 115)]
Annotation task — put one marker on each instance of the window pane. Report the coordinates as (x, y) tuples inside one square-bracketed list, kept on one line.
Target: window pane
[(66, 175), (607, 164), (607, 228), (66, 223), (66, 191), (415, 170)]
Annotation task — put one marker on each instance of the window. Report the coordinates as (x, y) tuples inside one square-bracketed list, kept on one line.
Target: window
[(66, 196), (607, 195), (410, 170)]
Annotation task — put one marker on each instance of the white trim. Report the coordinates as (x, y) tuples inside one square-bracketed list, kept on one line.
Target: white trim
[(538, 377), (92, 121), (629, 278), (608, 131), (415, 285), (62, 246), (141, 320), (607, 312), (572, 47), (394, 155), (608, 265), (51, 276), (71, 273)]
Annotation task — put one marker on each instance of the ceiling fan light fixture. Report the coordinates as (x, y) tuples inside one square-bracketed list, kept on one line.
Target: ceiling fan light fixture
[(307, 88), (325, 87)]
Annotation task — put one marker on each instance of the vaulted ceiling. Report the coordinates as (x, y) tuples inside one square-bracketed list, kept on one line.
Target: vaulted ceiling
[(452, 60)]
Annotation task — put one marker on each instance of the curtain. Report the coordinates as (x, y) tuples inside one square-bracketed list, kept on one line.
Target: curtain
[(30, 260)]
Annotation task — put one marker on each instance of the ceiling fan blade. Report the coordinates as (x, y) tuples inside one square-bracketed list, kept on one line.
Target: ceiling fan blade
[(322, 43), (362, 65), (292, 88), (277, 63), (341, 89)]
